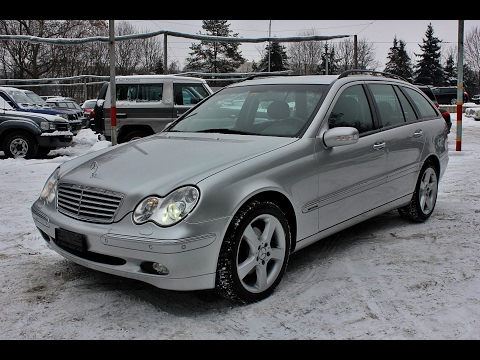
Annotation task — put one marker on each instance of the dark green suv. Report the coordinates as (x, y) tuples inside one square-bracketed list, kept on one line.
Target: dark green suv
[(447, 95), (30, 135)]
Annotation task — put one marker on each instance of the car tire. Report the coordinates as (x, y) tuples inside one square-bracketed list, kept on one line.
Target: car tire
[(20, 144), (424, 198), (453, 101), (134, 135), (254, 253)]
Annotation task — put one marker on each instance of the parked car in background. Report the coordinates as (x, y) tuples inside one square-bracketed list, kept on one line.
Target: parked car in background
[(445, 113), (88, 107), (71, 104), (476, 99), (262, 168), (447, 95), (473, 112), (29, 101), (147, 103), (30, 135)]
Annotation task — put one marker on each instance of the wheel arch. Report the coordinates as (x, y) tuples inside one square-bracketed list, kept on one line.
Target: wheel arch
[(6, 129), (435, 161), (127, 129), (285, 205)]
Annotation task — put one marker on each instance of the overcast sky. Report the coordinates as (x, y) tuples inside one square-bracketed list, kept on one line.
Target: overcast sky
[(380, 32)]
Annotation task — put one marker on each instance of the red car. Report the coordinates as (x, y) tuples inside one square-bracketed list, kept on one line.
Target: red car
[(88, 106)]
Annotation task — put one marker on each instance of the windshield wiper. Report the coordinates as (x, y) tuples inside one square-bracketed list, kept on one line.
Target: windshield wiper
[(226, 131)]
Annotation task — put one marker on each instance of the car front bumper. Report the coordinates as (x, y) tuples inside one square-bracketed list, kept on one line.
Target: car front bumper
[(52, 141), (121, 248)]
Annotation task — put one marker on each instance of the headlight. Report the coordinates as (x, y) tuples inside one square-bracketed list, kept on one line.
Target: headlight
[(65, 116), (50, 188), (169, 210), (47, 125)]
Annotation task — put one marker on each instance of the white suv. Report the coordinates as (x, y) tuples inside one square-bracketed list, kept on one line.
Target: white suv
[(147, 103)]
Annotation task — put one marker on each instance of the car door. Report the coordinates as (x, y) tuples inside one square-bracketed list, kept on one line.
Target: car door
[(352, 178), (404, 138)]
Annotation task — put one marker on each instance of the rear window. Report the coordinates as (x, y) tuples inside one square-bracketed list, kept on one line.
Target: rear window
[(426, 108), (89, 104)]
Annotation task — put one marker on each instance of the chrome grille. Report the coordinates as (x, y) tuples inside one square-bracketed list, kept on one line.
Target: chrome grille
[(88, 203)]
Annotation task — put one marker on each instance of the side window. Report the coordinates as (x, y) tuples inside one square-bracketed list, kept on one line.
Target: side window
[(388, 104), (140, 92), (189, 94), (7, 100), (3, 104), (127, 92), (352, 109), (150, 92), (408, 112), (426, 108)]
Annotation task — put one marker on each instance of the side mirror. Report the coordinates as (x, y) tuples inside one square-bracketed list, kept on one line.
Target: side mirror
[(340, 136)]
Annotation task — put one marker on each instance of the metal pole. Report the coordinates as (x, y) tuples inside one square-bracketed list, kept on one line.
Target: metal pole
[(165, 65), (269, 43), (113, 89), (326, 59), (460, 89), (355, 52)]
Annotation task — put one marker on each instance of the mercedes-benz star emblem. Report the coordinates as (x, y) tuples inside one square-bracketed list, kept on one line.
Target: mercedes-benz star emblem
[(94, 168)]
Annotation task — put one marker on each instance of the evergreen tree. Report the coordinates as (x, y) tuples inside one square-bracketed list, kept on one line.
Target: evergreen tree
[(470, 80), (399, 63), (212, 56), (159, 67), (428, 69), (332, 64), (278, 59), (450, 72)]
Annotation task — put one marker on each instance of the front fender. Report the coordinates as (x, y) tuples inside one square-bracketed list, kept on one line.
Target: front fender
[(20, 124)]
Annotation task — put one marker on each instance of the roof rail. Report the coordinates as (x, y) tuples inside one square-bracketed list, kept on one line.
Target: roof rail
[(371, 72)]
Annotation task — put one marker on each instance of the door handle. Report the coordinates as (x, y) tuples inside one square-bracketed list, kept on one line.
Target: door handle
[(380, 144), (418, 133)]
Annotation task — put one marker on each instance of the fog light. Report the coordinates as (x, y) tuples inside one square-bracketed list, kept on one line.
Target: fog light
[(160, 269), (154, 268)]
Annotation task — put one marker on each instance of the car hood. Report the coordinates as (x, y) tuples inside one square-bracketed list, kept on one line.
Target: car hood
[(33, 115), (160, 163), (46, 110)]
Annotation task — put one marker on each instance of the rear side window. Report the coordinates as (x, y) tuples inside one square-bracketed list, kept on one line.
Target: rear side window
[(426, 108), (388, 105), (408, 112), (140, 92)]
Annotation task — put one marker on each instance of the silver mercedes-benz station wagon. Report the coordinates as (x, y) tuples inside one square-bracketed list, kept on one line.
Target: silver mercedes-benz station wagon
[(262, 168)]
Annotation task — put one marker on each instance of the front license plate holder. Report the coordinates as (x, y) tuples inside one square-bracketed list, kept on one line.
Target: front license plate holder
[(71, 240)]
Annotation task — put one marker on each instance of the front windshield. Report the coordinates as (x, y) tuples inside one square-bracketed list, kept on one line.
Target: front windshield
[(272, 110), (36, 98), (21, 99)]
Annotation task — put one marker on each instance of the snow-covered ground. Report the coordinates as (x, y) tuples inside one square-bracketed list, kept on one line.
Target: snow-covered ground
[(385, 278)]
